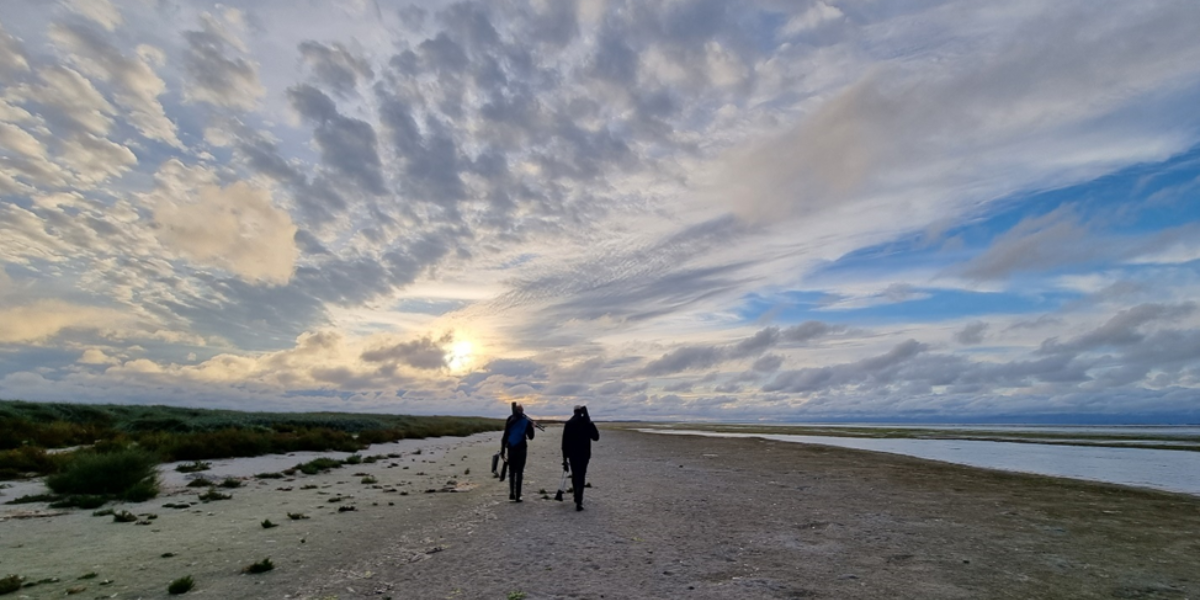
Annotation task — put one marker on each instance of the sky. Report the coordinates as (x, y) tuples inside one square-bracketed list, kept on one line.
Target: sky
[(922, 210)]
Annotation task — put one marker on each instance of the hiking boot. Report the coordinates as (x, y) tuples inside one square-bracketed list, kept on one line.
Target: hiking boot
[(519, 500), (578, 507), (512, 496)]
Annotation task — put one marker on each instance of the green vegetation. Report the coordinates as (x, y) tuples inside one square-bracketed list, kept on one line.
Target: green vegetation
[(83, 501), (181, 586), (368, 480), (317, 465), (261, 566), (10, 584), (194, 467), (212, 494), (130, 474), (28, 429), (200, 482), (516, 596), (231, 483)]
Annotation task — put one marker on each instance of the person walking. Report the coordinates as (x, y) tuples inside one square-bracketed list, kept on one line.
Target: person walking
[(578, 435), (517, 428)]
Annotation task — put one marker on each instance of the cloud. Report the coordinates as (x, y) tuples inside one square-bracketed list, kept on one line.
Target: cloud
[(216, 74), (873, 371), (348, 146), (334, 66), (135, 84), (973, 333), (41, 320), (423, 353), (236, 227), (101, 12), (12, 55)]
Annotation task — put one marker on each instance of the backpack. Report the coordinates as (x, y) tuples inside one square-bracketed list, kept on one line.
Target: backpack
[(517, 434)]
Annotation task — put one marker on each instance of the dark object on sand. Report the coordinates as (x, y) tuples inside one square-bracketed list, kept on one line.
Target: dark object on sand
[(562, 485)]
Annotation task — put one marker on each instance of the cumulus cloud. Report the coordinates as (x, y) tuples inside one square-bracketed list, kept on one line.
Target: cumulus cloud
[(348, 146), (236, 227), (973, 333)]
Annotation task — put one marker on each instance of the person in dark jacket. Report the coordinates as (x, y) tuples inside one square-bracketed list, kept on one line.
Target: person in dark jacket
[(578, 435), (517, 429)]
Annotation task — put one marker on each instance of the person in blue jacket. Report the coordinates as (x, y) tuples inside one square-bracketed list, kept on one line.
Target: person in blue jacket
[(578, 435), (517, 429)]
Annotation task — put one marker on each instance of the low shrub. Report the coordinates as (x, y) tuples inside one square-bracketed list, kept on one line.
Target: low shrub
[(194, 467), (368, 480), (212, 494), (261, 566), (10, 584), (200, 482), (31, 498), (182, 585), (131, 474), (231, 483), (354, 459), (317, 465)]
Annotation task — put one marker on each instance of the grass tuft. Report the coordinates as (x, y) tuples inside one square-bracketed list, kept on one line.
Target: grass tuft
[(368, 480), (182, 585), (231, 483), (261, 566), (200, 482), (194, 467), (267, 524)]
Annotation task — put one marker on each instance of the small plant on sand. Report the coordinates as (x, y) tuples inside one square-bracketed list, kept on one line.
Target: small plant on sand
[(317, 465), (231, 483), (467, 472), (124, 517), (10, 584), (261, 566), (354, 459), (212, 494), (297, 516), (182, 585), (130, 473), (267, 524), (368, 480), (199, 482), (194, 467), (514, 595), (342, 509)]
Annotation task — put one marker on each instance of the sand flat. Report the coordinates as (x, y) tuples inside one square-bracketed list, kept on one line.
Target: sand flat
[(668, 517)]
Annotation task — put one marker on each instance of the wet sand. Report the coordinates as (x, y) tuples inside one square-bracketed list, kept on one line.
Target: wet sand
[(667, 517)]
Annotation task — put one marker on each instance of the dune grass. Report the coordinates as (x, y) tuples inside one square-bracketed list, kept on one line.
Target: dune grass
[(182, 585), (129, 474), (28, 429)]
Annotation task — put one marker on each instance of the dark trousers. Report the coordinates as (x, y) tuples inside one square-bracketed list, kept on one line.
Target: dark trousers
[(579, 477), (516, 468)]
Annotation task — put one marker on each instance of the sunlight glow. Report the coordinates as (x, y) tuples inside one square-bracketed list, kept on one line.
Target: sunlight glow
[(461, 356)]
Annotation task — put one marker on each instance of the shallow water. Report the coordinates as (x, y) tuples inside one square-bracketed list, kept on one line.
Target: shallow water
[(1141, 467)]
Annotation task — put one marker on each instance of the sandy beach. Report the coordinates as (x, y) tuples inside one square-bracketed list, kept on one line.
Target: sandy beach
[(667, 517)]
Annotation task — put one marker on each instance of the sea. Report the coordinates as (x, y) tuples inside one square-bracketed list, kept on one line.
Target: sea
[(1169, 470)]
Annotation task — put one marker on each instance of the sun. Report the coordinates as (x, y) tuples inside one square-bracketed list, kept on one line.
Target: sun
[(461, 356)]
